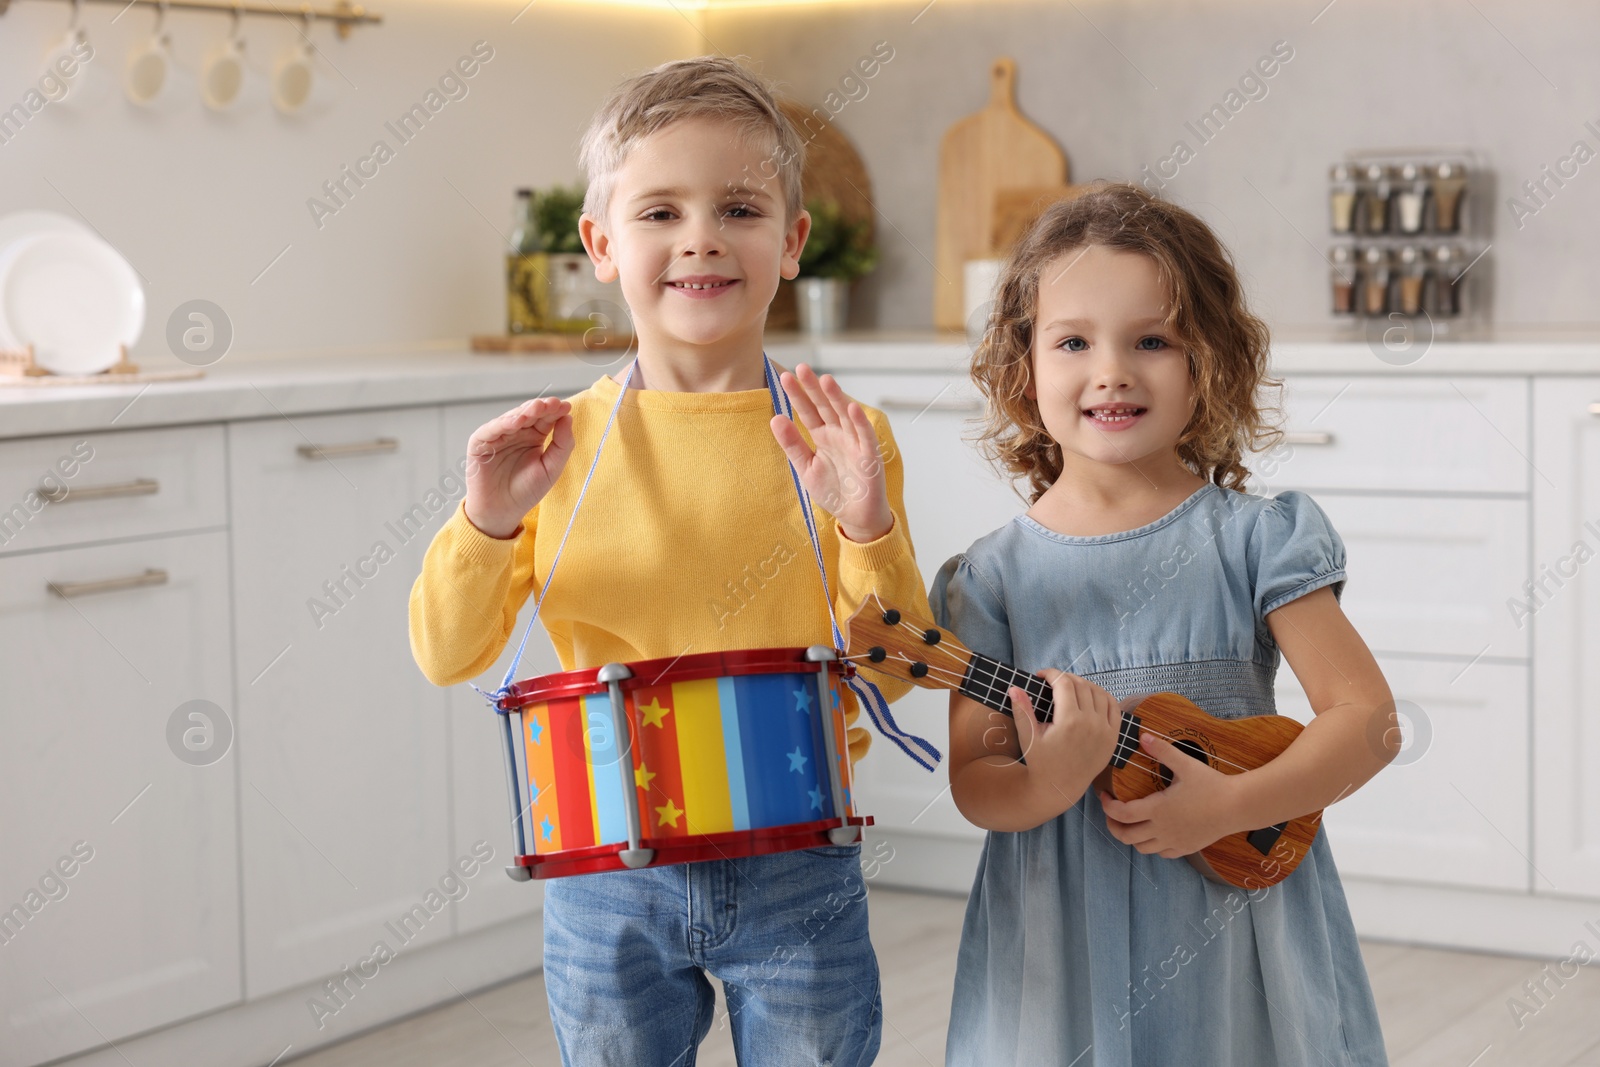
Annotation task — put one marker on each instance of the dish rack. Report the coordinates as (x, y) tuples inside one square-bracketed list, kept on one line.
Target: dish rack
[(18, 367)]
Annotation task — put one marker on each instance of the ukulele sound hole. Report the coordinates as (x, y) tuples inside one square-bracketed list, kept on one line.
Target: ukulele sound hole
[(1188, 748)]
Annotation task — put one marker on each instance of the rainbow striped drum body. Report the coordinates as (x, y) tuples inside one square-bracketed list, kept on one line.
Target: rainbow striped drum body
[(706, 756)]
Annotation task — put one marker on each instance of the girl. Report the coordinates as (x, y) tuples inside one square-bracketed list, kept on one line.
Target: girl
[(1122, 370)]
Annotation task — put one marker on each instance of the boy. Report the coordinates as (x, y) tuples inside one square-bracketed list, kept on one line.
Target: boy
[(691, 539)]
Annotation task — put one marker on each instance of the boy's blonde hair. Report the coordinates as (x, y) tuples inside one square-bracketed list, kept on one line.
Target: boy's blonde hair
[(1225, 344), (706, 86)]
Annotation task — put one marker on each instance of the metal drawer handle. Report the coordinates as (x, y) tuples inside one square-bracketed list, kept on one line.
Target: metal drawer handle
[(1594, 409), (151, 576), (354, 448), (912, 403), (1308, 437), (61, 494)]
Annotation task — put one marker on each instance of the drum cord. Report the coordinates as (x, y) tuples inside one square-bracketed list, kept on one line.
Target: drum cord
[(866, 692)]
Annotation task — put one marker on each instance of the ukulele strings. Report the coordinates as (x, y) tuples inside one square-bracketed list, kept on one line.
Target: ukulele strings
[(958, 676)]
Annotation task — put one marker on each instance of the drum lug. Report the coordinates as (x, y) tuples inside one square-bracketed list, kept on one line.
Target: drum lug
[(519, 874), (634, 858), (613, 672), (844, 835)]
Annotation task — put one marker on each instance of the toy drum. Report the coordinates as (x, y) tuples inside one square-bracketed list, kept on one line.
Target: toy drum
[(709, 756)]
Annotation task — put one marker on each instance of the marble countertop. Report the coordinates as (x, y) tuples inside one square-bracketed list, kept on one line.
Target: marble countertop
[(271, 385)]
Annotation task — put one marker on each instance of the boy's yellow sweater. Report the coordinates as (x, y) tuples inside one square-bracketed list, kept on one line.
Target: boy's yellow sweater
[(690, 539)]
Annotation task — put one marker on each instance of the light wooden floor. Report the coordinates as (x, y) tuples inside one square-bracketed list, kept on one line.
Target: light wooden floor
[(1439, 1009)]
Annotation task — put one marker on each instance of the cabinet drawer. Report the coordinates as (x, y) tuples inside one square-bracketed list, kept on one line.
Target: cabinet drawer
[(1430, 575), (1452, 809), (1451, 435), (103, 486)]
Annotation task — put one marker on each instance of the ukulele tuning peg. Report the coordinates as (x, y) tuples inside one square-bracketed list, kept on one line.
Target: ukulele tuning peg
[(891, 617), (919, 669), (931, 637), (876, 654)]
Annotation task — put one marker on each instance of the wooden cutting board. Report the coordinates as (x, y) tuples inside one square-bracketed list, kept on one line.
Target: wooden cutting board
[(993, 149)]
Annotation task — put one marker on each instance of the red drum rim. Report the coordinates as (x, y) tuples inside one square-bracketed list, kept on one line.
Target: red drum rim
[(735, 844), (647, 672)]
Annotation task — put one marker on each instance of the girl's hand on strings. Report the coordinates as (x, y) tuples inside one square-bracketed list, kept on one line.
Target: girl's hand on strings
[(513, 460), (1196, 810), (844, 475), (1065, 754)]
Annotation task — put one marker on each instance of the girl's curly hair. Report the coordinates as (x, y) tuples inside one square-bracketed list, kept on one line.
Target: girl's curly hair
[(1225, 344)]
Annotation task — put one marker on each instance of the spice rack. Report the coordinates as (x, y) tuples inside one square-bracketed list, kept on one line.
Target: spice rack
[(1410, 230)]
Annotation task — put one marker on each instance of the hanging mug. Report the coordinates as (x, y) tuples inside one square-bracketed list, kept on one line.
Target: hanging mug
[(222, 69), (147, 66), (64, 60), (291, 73)]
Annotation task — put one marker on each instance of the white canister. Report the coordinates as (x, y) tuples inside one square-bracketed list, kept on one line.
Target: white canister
[(980, 279)]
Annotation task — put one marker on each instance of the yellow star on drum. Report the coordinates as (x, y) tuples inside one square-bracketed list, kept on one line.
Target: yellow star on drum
[(668, 814), (653, 713), (642, 775)]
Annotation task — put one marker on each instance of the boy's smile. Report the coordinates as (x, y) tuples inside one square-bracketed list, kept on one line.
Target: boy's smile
[(696, 231)]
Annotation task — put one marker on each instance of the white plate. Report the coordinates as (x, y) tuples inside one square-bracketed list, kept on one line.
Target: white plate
[(73, 297)]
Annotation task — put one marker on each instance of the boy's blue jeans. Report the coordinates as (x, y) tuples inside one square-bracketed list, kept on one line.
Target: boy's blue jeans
[(626, 955)]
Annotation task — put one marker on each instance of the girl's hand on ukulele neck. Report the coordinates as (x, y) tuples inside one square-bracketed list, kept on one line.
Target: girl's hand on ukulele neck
[(1198, 809), (511, 465), (844, 475), (1064, 755)]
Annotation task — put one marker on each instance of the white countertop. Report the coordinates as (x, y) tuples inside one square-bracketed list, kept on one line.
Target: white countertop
[(265, 386)]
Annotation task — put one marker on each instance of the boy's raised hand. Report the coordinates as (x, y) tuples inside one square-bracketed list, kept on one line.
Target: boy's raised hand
[(511, 465), (844, 475)]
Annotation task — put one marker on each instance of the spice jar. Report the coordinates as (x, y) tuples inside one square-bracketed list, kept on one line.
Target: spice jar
[(1343, 196), (1375, 279), (1449, 189), (1413, 273), (1376, 189), (1410, 198), (1449, 265), (1344, 276)]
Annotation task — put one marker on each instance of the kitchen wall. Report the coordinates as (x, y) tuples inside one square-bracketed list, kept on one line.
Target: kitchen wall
[(1114, 83), (214, 206)]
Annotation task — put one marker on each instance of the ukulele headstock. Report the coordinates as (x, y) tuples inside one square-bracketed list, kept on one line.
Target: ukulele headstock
[(892, 641)]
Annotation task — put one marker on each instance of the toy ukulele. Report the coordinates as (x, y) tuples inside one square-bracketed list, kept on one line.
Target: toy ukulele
[(884, 639)]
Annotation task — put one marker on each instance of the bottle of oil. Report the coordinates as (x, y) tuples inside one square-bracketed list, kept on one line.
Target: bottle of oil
[(527, 272)]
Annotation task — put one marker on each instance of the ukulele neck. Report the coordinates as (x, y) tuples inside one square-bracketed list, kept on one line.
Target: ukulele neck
[(988, 680)]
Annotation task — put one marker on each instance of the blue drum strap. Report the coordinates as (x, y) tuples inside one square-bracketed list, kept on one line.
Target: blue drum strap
[(866, 692), (498, 697)]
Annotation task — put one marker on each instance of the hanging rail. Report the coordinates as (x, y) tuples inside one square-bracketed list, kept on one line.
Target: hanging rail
[(344, 13)]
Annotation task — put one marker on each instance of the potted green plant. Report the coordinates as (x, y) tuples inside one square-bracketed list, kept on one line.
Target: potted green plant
[(566, 296), (837, 252)]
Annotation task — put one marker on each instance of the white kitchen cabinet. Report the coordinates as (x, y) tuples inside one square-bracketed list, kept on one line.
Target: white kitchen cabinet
[(952, 497), (111, 483), (1562, 607), (1430, 575), (1366, 434), (345, 805), (480, 799), (147, 929), (1452, 808)]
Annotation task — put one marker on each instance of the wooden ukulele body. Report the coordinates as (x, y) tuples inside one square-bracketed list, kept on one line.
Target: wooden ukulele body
[(1248, 859)]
